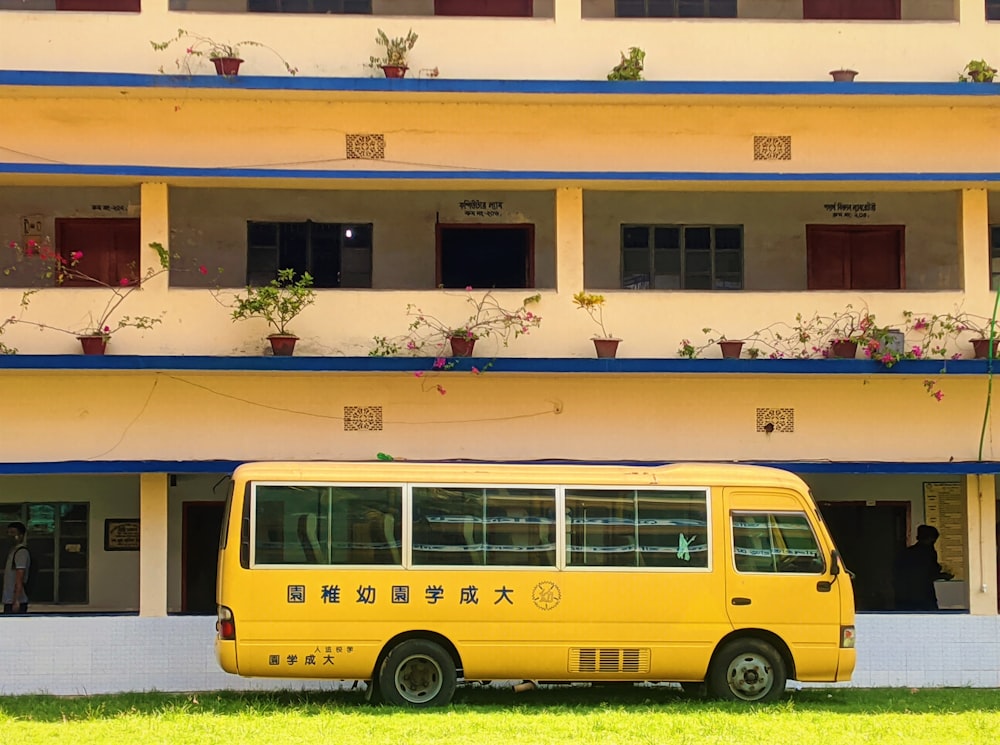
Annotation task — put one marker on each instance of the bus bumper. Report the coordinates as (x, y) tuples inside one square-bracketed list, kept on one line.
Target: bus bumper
[(225, 653), (845, 664)]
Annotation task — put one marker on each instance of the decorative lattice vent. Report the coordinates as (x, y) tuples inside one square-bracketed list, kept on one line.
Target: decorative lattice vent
[(775, 420), (595, 660), (766, 147), (366, 147), (358, 418)]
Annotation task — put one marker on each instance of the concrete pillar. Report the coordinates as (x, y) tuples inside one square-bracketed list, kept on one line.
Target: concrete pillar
[(971, 13), (567, 11), (974, 242), (981, 540), (569, 240), (154, 227), (153, 544)]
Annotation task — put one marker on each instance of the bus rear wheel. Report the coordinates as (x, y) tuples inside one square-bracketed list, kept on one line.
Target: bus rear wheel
[(417, 672), (747, 670)]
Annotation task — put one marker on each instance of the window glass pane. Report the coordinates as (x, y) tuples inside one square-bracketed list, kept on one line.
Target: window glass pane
[(661, 8), (722, 8), (601, 528), (635, 261), (326, 524), (691, 8), (293, 248), (262, 234), (727, 262), (57, 537), (324, 265), (668, 262), (697, 238), (728, 239), (630, 8), (359, 236), (667, 238), (447, 525), (697, 262), (673, 528), (782, 542), (520, 527), (635, 236)]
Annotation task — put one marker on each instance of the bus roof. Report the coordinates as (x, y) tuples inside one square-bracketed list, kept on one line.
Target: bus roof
[(675, 474)]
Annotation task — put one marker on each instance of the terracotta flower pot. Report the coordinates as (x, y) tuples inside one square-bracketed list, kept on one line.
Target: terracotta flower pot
[(93, 343), (283, 345), (462, 346), (606, 347), (227, 66), (395, 71), (844, 349), (731, 348), (981, 348), (843, 76)]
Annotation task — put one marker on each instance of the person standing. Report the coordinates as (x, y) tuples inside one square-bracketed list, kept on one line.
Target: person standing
[(15, 575), (916, 570)]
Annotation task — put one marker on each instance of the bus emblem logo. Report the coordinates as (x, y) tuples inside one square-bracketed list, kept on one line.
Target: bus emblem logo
[(296, 593), (546, 595)]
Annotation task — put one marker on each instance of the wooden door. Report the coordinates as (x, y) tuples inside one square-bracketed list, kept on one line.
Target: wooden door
[(855, 257), (511, 8), (864, 10), (110, 248)]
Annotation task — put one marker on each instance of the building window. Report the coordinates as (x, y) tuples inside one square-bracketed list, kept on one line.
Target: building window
[(993, 10), (335, 254), (675, 8), (360, 7), (509, 8), (58, 540), (682, 257), (994, 256), (851, 10)]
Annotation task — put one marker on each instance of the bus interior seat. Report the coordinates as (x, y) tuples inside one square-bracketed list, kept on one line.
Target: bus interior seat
[(307, 538)]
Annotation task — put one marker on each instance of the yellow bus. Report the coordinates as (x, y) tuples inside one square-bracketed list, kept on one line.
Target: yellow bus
[(413, 576)]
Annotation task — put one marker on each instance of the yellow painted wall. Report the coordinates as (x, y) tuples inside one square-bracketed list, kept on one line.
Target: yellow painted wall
[(111, 416), (307, 131)]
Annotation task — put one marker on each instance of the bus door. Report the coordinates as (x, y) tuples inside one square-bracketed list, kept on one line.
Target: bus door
[(778, 578)]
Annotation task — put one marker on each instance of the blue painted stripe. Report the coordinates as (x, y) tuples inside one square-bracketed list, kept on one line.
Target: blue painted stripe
[(68, 79), (147, 171), (88, 467), (672, 365)]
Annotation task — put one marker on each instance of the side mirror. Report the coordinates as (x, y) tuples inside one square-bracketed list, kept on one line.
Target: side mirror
[(834, 562)]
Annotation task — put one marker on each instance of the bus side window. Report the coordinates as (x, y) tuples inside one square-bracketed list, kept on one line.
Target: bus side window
[(775, 543)]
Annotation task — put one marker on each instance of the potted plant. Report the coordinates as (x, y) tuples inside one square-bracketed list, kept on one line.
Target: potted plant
[(606, 345), (393, 61), (630, 68), (225, 56), (843, 75), (278, 302), (488, 318), (105, 321), (977, 71), (731, 349)]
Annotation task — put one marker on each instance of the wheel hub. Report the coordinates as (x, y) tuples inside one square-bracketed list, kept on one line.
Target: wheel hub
[(750, 677)]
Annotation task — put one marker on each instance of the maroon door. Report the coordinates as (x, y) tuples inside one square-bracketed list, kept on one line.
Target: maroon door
[(517, 8), (855, 258), (110, 248), (864, 10)]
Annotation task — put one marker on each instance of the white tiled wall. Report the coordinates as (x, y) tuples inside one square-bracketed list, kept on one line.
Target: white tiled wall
[(76, 655)]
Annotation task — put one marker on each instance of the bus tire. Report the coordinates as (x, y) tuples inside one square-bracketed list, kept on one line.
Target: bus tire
[(417, 672), (747, 670)]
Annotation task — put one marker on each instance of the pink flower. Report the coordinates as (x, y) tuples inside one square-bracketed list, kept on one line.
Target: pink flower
[(418, 374), (12, 244), (76, 255), (468, 288), (203, 269), (124, 282), (886, 359), (938, 395), (107, 329), (441, 390), (921, 323), (476, 371), (918, 352), (439, 363)]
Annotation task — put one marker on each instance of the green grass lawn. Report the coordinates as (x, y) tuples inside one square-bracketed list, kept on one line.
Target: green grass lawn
[(499, 716)]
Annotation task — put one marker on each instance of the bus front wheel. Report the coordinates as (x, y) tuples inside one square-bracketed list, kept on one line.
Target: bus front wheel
[(747, 670), (417, 672)]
